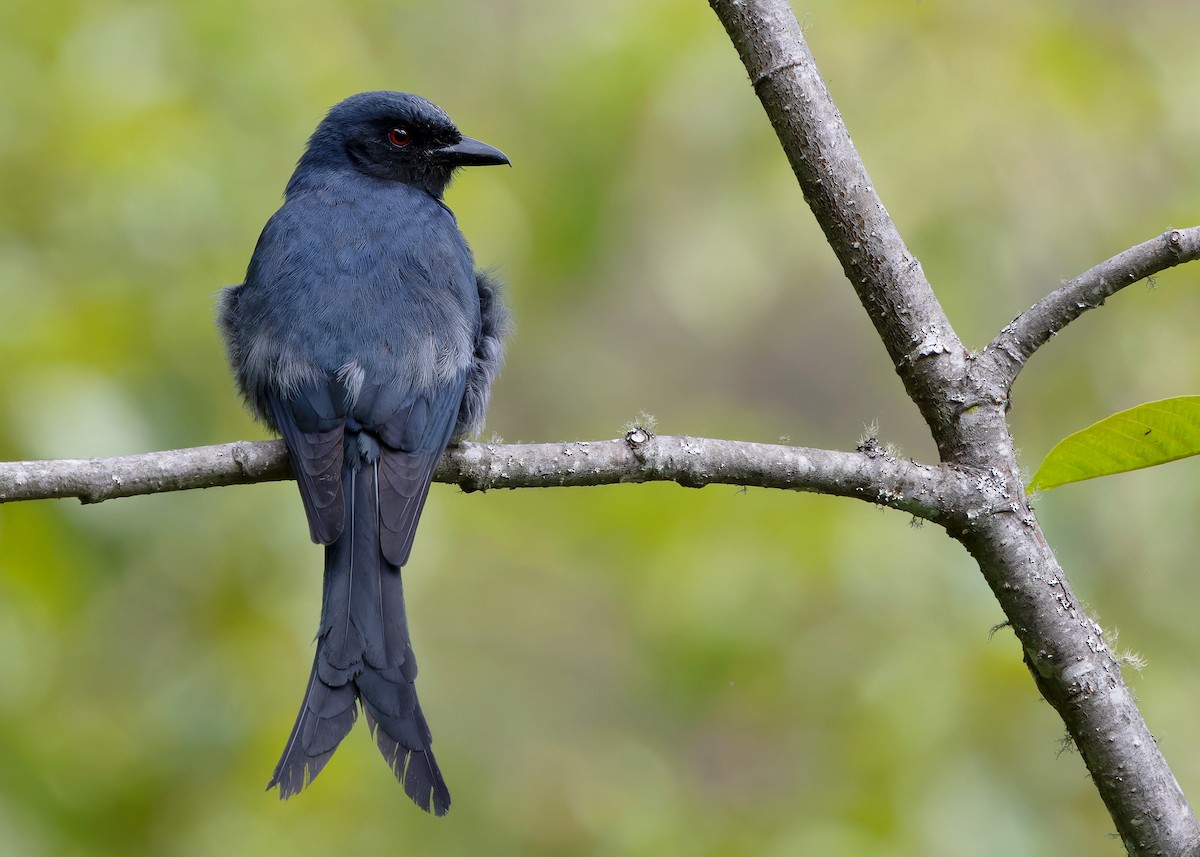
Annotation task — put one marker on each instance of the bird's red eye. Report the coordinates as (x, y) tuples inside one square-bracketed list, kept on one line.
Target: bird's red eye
[(399, 137)]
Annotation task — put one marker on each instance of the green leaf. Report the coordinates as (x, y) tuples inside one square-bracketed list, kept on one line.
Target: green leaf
[(1149, 434)]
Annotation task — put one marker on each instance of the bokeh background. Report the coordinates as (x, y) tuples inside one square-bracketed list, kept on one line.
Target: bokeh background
[(630, 670)]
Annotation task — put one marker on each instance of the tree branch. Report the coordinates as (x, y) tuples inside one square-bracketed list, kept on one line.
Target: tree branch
[(1077, 673), (965, 402), (94, 480), (1032, 329), (887, 277), (934, 493)]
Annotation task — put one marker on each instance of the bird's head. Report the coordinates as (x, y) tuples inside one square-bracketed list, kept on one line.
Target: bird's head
[(394, 136)]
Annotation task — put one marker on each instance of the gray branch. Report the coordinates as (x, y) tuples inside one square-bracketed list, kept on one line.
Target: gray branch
[(1032, 329), (934, 493), (884, 273), (964, 400)]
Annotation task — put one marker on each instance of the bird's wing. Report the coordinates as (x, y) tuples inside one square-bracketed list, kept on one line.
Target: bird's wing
[(312, 421), (413, 431)]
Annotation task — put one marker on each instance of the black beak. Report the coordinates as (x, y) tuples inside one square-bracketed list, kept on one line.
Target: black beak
[(469, 153)]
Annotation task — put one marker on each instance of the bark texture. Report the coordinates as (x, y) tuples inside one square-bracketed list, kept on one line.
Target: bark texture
[(964, 400)]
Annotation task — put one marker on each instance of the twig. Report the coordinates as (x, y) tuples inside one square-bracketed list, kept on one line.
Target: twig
[(1032, 329)]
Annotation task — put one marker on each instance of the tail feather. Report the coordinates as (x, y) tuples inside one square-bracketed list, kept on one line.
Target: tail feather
[(339, 646), (387, 696), (416, 770), (321, 735), (364, 656), (325, 718)]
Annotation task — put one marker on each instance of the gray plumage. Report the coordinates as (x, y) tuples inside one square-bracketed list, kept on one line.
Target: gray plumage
[(365, 337)]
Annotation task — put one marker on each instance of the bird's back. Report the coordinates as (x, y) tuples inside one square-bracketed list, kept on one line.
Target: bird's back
[(358, 277)]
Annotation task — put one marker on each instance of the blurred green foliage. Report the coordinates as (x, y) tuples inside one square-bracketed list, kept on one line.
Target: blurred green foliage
[(635, 670)]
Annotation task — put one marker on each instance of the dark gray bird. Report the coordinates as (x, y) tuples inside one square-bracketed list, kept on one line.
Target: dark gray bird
[(365, 337)]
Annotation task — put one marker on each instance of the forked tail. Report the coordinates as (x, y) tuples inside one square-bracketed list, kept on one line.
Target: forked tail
[(363, 655)]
